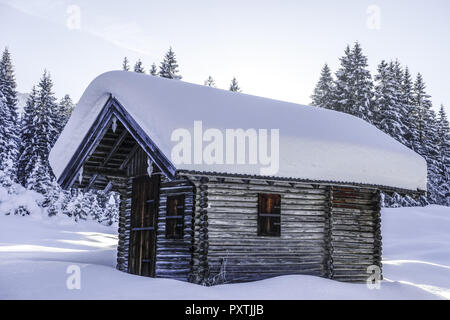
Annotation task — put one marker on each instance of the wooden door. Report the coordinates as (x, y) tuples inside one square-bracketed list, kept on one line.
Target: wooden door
[(144, 214)]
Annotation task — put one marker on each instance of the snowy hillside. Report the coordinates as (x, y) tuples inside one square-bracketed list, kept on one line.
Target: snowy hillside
[(36, 251)]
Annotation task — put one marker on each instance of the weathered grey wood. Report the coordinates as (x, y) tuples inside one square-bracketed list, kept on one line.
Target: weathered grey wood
[(325, 230), (173, 256)]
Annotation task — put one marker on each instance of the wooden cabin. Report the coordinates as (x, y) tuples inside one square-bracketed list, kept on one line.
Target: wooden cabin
[(220, 223)]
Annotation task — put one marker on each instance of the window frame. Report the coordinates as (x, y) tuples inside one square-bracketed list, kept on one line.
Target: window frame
[(269, 220), (175, 230)]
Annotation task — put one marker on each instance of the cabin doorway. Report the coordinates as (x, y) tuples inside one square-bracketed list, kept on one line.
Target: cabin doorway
[(144, 215)]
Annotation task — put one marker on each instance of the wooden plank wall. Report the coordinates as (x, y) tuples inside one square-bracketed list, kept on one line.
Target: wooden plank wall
[(234, 251), (355, 233), (327, 231), (124, 228), (173, 256), (136, 166)]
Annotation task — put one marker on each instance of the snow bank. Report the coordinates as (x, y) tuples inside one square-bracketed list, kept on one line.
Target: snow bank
[(18, 197), (35, 256), (315, 143)]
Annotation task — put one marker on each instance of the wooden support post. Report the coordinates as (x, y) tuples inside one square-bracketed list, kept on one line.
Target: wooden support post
[(328, 257)]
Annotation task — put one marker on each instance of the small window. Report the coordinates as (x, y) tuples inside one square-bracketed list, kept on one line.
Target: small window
[(269, 215), (175, 217)]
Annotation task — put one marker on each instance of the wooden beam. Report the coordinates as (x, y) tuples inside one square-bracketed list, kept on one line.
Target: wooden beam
[(129, 157), (91, 182), (116, 146), (104, 171), (108, 187)]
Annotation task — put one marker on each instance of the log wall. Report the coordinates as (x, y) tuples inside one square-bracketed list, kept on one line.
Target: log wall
[(327, 231), (124, 227), (355, 233), (173, 256)]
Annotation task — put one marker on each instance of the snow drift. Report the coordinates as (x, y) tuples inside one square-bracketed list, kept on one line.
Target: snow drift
[(37, 251)]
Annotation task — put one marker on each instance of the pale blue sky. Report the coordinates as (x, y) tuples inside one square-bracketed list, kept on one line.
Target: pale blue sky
[(275, 48)]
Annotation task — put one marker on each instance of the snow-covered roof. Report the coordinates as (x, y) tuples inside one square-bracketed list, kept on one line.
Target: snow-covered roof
[(314, 143)]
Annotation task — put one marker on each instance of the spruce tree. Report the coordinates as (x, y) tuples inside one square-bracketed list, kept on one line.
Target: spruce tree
[(9, 113), (153, 70), (46, 126), (94, 208), (169, 66), (354, 85), (425, 139), (234, 86), (8, 85), (78, 205), (421, 108), (362, 84), (65, 109), (138, 67), (323, 93), (343, 97), (40, 178), (7, 145), (210, 82), (40, 129), (56, 199), (388, 108), (27, 137), (125, 64), (443, 187), (111, 211), (407, 101)]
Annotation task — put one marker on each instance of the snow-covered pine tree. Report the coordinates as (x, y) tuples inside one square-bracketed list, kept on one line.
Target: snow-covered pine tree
[(9, 114), (421, 105), (111, 211), (210, 82), (7, 145), (387, 106), (39, 128), (139, 67), (8, 84), (65, 109), (324, 91), (354, 85), (443, 158), (56, 199), (77, 206), (425, 141), (46, 118), (432, 157), (169, 66), (407, 101), (27, 138), (40, 178), (153, 70), (234, 86), (363, 85), (125, 64), (94, 208), (342, 94)]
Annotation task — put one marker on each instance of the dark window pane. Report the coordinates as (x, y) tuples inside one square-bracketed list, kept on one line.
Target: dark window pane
[(175, 217), (269, 215)]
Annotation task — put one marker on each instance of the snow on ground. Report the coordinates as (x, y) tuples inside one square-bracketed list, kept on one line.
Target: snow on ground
[(35, 252)]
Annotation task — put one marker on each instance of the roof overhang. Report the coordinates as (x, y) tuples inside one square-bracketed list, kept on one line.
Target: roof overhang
[(113, 109)]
